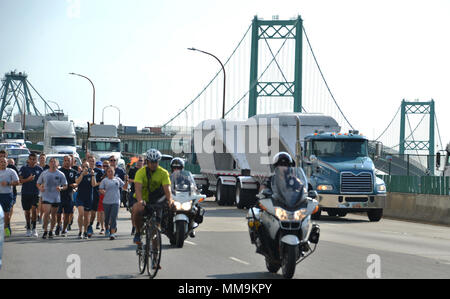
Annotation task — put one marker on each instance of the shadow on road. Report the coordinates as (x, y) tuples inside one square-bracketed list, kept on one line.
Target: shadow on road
[(249, 275), (340, 220)]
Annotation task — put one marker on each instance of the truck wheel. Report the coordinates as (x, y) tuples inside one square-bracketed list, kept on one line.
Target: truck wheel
[(245, 198), (221, 194), (240, 198), (375, 215)]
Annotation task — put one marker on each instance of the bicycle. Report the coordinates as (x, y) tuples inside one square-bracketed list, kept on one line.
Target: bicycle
[(151, 250)]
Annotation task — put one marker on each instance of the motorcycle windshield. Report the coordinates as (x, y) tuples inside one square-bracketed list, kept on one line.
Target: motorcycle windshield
[(182, 181), (289, 187)]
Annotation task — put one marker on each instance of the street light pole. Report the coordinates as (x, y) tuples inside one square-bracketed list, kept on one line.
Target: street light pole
[(93, 96), (224, 76), (103, 113)]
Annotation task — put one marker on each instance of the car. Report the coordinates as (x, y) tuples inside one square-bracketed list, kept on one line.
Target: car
[(2, 233), (4, 146), (21, 161), (60, 158), (14, 153)]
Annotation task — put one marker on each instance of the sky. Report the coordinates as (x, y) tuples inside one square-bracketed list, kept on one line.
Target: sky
[(373, 53)]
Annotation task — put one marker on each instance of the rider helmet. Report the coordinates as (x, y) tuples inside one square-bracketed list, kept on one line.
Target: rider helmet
[(283, 159), (153, 155)]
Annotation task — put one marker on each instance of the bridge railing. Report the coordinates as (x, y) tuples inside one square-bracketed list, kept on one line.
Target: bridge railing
[(437, 185)]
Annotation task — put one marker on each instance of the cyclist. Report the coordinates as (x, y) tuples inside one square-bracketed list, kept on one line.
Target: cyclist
[(152, 183)]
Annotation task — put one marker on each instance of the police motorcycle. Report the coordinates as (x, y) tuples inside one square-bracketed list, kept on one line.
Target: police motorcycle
[(187, 211), (280, 224)]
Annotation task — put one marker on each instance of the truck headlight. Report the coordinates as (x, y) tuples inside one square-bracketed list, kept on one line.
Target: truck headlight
[(381, 188), (324, 188)]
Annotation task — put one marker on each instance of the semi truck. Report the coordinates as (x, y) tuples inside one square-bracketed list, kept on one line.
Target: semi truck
[(104, 143), (235, 160), (60, 138), (13, 133)]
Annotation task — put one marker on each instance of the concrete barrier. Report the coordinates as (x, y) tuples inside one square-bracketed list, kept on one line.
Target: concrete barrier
[(419, 207)]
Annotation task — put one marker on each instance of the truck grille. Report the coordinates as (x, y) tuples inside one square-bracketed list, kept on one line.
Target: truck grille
[(361, 183)]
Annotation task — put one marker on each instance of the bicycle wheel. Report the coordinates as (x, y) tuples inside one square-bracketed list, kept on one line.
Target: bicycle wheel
[(142, 258), (153, 239)]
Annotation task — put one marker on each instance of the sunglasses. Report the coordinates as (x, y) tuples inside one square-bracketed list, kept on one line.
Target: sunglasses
[(112, 160)]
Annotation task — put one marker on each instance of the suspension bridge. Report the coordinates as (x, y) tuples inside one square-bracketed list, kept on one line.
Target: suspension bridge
[(273, 68)]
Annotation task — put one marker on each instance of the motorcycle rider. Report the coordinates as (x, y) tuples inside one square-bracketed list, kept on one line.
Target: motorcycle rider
[(280, 159), (177, 164)]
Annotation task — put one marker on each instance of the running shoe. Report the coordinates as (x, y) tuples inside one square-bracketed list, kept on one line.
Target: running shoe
[(85, 235), (29, 234), (107, 233), (57, 230), (80, 235), (7, 232), (44, 236), (112, 237), (34, 233), (90, 231), (102, 231), (50, 235), (97, 226)]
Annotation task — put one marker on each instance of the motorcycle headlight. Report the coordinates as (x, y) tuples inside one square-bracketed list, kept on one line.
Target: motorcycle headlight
[(177, 205), (284, 215), (186, 206)]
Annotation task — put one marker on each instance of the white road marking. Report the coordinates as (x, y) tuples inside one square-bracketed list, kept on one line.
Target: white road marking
[(190, 243), (239, 261)]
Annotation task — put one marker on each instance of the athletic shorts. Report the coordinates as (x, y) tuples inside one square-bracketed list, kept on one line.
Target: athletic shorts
[(6, 200), (66, 207), (53, 204), (85, 203), (29, 200)]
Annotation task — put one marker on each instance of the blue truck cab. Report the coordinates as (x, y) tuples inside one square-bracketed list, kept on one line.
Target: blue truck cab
[(339, 168)]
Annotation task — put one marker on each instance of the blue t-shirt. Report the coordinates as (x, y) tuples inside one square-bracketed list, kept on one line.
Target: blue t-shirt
[(25, 172), (85, 190), (120, 173)]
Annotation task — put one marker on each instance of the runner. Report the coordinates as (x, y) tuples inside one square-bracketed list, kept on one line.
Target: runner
[(95, 195), (85, 181), (51, 182), (111, 187), (8, 178), (67, 205), (44, 166), (28, 175)]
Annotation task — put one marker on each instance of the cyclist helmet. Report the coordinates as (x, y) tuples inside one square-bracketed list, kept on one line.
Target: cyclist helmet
[(283, 159), (153, 155), (177, 163)]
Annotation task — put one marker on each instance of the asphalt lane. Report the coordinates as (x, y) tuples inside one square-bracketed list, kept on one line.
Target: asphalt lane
[(222, 250)]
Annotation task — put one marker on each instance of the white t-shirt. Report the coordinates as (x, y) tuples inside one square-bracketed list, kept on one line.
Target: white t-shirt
[(8, 175)]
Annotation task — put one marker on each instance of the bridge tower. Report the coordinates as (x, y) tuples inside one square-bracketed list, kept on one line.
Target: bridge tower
[(275, 29), (419, 145), (15, 95)]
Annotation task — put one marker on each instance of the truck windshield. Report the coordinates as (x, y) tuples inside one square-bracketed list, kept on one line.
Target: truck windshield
[(13, 135), (103, 146), (335, 148), (63, 141)]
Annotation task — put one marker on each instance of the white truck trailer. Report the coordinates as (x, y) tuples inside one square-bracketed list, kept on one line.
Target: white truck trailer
[(60, 137), (235, 158), (13, 133)]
